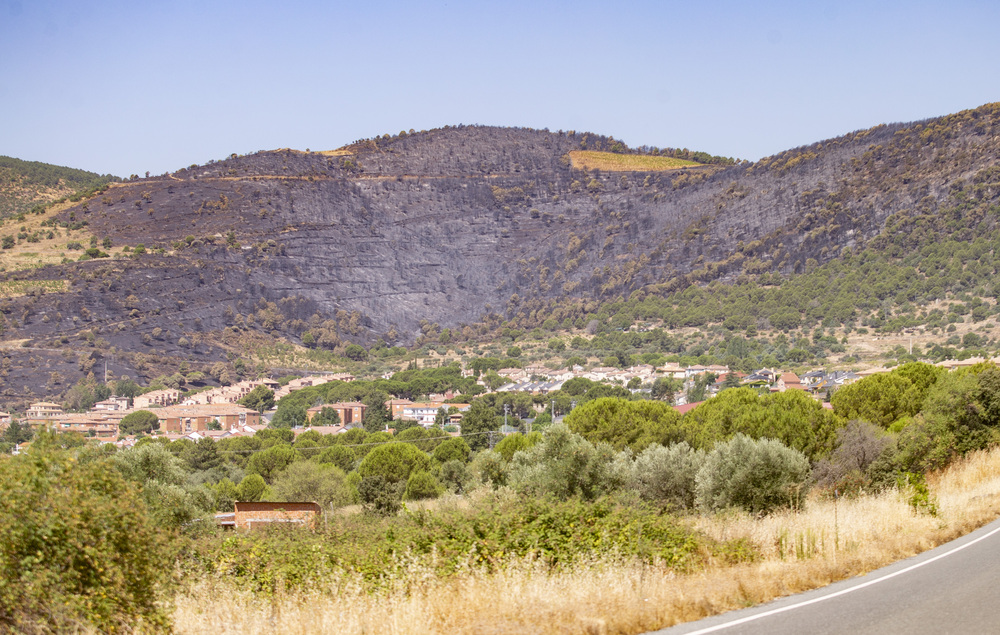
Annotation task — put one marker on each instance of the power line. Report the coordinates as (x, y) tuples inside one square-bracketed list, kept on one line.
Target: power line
[(359, 445)]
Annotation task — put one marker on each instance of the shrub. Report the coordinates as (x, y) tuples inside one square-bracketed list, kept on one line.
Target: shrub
[(309, 481), (422, 485), (565, 464), (758, 476), (78, 549), (454, 475), (251, 488), (378, 496), (667, 474)]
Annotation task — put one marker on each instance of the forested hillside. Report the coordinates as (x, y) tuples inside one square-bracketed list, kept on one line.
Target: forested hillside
[(27, 184)]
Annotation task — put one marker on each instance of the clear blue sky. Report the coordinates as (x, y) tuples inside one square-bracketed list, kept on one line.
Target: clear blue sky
[(128, 86)]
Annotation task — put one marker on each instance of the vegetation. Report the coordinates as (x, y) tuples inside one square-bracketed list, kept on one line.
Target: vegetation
[(614, 162)]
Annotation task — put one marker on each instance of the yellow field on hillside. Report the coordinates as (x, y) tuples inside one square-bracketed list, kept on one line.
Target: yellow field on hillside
[(49, 245), (611, 162)]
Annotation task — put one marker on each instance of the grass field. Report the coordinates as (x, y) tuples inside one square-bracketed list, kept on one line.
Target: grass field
[(611, 162), (831, 540)]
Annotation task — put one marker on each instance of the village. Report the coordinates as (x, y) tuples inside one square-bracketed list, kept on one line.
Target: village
[(216, 413)]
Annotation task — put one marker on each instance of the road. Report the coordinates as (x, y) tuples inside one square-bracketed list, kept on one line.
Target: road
[(954, 588)]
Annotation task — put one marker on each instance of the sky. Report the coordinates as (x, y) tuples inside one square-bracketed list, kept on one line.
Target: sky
[(124, 87)]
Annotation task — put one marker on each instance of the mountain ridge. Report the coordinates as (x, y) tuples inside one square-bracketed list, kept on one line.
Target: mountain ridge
[(468, 228)]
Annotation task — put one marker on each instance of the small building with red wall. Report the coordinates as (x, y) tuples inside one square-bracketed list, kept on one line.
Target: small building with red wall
[(250, 515)]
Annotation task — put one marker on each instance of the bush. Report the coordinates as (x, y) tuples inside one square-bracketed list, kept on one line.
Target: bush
[(422, 485), (378, 496), (667, 475), (78, 551), (309, 481), (565, 464), (454, 475), (758, 476)]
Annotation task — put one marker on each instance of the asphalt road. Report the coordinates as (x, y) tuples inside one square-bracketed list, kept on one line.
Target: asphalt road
[(954, 588)]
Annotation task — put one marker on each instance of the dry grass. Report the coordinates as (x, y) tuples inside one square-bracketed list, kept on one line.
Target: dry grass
[(47, 251), (830, 541), (612, 162)]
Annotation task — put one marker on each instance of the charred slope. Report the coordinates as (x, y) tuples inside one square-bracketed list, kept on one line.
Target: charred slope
[(452, 224)]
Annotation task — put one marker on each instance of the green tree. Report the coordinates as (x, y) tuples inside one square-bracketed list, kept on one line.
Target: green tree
[(881, 399), (377, 415), (251, 488), (477, 422), (79, 551), (289, 414), (326, 417), (337, 455), (139, 422), (666, 474), (664, 389), (422, 485), (126, 387), (454, 475), (169, 497), (16, 433), (453, 449), (621, 423), (355, 352), (271, 462), (325, 484), (394, 462), (493, 380), (378, 496), (517, 442), (261, 399), (203, 455), (565, 464)]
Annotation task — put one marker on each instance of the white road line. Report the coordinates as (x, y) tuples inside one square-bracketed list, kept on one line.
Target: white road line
[(790, 607)]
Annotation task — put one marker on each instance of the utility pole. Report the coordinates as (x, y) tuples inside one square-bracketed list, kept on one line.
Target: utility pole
[(506, 409)]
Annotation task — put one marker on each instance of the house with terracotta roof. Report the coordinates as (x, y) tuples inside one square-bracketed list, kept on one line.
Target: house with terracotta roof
[(198, 418), (788, 381)]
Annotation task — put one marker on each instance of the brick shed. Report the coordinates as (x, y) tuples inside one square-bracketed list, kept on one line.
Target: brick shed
[(255, 514)]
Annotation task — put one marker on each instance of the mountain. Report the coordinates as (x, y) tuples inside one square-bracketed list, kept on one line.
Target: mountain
[(473, 229)]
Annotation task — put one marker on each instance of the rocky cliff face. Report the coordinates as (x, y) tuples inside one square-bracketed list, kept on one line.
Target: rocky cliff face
[(449, 225)]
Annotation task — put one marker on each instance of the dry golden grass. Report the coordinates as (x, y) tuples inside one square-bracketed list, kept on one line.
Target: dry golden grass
[(612, 162), (801, 550), (46, 251)]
